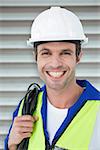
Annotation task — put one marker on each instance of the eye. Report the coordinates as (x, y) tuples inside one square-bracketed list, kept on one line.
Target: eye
[(65, 53), (45, 53)]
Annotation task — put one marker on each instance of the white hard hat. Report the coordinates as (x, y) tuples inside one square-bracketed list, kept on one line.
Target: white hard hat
[(57, 24)]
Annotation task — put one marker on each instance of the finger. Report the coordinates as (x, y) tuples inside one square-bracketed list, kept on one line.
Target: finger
[(25, 124), (26, 135), (21, 130), (35, 118), (24, 118)]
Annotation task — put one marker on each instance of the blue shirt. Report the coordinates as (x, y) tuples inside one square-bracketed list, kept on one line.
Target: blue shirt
[(89, 93)]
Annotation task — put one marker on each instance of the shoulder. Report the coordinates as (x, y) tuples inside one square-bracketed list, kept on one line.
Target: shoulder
[(91, 93)]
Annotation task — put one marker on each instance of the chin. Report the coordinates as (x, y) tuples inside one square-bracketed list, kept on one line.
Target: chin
[(56, 86)]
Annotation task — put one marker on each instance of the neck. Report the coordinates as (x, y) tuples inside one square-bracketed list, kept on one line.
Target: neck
[(65, 98)]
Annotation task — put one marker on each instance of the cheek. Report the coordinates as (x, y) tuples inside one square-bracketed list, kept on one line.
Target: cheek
[(71, 62), (40, 64)]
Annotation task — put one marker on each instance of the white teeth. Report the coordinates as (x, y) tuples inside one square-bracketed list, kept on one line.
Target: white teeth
[(56, 74)]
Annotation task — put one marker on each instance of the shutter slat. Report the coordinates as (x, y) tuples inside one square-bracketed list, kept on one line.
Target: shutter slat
[(21, 41), (39, 3), (19, 14), (23, 27), (20, 84), (23, 56), (19, 70)]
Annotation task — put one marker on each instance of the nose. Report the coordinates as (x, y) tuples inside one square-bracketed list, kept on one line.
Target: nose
[(56, 61)]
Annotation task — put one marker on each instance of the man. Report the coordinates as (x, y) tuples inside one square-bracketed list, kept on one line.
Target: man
[(67, 115)]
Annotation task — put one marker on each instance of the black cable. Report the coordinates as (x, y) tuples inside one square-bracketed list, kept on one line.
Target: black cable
[(30, 102)]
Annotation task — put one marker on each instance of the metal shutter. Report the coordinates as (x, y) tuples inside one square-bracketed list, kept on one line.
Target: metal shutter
[(17, 66)]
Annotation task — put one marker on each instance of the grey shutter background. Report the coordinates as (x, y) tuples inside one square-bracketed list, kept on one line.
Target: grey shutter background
[(17, 64)]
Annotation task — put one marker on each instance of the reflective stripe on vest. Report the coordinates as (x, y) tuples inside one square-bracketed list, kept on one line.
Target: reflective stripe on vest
[(77, 135)]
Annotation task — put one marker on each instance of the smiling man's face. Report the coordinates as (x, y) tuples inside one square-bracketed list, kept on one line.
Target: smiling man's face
[(56, 63)]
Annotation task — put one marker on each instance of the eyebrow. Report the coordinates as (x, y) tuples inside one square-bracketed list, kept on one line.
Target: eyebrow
[(67, 50), (62, 50), (44, 49)]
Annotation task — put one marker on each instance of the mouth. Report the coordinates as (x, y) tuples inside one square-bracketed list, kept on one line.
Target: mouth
[(56, 75)]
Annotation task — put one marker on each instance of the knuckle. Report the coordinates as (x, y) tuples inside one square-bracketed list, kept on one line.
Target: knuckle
[(29, 117), (31, 124), (29, 134), (31, 129), (26, 135), (15, 119)]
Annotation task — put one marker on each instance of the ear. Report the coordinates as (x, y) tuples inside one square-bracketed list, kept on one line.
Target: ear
[(79, 57)]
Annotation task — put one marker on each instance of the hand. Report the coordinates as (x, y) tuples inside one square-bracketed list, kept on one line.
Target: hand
[(22, 128)]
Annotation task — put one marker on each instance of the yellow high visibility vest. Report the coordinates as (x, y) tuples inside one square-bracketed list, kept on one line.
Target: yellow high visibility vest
[(77, 135)]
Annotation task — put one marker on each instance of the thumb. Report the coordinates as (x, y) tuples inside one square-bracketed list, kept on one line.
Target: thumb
[(35, 118)]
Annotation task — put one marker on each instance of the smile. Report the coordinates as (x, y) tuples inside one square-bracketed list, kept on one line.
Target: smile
[(56, 74)]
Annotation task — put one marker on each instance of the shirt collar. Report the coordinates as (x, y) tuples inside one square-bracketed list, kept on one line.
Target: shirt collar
[(91, 92)]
